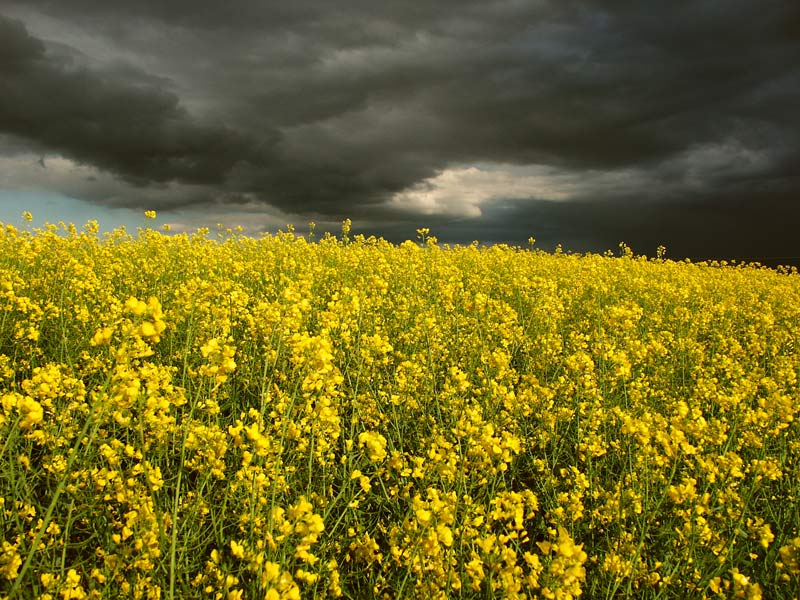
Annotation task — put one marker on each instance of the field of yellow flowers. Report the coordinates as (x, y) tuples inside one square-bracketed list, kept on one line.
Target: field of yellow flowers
[(219, 416)]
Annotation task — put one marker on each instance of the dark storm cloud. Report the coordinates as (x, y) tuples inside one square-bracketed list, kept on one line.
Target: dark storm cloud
[(118, 119), (704, 227), (332, 109)]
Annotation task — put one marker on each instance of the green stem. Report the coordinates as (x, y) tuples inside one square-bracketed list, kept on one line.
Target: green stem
[(51, 508)]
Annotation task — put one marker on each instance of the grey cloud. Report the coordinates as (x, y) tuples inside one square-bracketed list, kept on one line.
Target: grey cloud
[(706, 227), (18, 47), (119, 119), (331, 109)]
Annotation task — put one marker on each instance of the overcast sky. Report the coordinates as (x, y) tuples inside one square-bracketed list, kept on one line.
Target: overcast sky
[(579, 122)]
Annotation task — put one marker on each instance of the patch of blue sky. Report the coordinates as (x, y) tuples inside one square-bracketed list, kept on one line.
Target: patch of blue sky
[(51, 207)]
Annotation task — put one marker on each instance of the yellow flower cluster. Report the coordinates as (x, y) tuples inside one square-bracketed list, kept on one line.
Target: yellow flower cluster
[(200, 416)]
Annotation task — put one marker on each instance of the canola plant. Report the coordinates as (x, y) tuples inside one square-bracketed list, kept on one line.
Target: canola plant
[(200, 416)]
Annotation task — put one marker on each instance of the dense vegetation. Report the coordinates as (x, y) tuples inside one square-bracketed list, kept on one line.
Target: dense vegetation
[(228, 417)]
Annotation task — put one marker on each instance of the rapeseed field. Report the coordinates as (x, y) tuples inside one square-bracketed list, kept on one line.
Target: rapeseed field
[(218, 416)]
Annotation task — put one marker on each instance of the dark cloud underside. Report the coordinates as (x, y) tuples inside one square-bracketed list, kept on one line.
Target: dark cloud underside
[(332, 109), (126, 125)]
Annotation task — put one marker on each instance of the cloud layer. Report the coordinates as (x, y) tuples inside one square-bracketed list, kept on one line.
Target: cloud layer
[(572, 117)]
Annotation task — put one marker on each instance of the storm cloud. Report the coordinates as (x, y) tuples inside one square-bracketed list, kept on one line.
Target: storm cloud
[(575, 121)]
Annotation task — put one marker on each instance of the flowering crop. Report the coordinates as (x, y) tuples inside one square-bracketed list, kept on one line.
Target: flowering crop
[(196, 417)]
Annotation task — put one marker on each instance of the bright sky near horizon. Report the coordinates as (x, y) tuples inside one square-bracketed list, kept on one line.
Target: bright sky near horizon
[(53, 207)]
